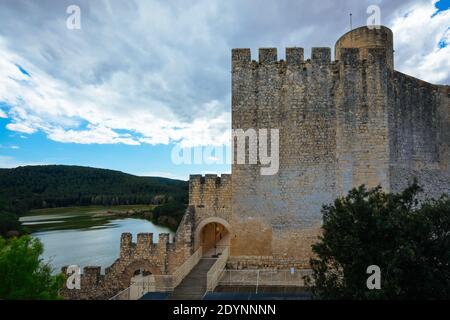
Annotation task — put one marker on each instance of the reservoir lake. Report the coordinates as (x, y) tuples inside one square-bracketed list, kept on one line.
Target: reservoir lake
[(86, 236)]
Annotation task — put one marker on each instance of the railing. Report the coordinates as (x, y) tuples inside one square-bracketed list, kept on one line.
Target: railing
[(138, 288), (264, 278), (215, 251), (151, 283), (122, 295), (215, 273), (158, 283), (186, 267)]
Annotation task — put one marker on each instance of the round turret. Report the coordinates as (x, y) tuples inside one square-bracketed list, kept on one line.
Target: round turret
[(364, 38)]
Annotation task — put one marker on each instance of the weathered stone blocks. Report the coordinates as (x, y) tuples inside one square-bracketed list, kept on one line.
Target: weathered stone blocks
[(267, 55), (241, 55), (294, 56), (321, 55)]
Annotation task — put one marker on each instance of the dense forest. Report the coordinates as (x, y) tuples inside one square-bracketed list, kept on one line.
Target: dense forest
[(35, 187)]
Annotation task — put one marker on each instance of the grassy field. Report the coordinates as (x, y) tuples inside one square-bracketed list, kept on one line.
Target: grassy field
[(90, 209), (76, 217)]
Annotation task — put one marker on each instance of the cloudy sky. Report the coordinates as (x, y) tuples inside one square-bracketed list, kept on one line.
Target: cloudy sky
[(140, 77)]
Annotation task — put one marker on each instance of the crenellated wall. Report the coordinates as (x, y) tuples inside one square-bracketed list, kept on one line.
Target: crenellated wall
[(342, 123), (210, 196), (161, 258)]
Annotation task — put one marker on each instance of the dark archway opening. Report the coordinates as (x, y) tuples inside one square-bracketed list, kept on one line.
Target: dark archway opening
[(214, 238)]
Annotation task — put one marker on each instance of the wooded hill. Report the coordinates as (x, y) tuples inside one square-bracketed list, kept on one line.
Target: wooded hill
[(34, 187)]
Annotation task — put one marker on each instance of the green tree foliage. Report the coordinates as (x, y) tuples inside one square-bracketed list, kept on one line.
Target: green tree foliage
[(23, 275), (172, 208), (410, 244), (9, 221), (35, 187)]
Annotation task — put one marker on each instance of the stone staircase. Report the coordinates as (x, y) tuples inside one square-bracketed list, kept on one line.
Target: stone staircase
[(193, 286)]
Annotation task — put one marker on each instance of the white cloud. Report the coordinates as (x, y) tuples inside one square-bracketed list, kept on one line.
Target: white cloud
[(50, 105), (151, 72), (9, 147), (416, 39), (117, 84), (100, 135), (3, 114), (20, 127)]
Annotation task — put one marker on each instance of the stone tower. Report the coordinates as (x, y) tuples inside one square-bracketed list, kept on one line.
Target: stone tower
[(364, 39), (341, 124)]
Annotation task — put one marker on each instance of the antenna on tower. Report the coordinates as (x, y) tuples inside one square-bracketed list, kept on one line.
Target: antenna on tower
[(351, 23)]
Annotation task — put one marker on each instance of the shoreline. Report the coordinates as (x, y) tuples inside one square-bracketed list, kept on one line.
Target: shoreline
[(80, 215)]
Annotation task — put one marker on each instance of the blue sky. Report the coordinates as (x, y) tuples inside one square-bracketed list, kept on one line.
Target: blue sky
[(442, 5), (140, 77), (36, 149)]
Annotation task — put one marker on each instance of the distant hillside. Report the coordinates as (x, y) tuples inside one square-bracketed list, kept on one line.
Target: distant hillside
[(34, 187)]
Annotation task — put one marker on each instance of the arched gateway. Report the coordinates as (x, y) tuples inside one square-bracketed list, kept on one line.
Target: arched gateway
[(213, 235)]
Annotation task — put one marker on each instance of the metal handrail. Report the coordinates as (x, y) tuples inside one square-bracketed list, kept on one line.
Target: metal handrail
[(119, 296), (186, 267), (264, 277), (214, 274)]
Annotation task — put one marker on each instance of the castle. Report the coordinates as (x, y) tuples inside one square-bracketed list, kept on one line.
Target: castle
[(342, 123)]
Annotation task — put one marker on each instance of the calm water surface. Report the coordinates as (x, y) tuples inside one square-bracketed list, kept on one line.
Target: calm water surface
[(94, 243)]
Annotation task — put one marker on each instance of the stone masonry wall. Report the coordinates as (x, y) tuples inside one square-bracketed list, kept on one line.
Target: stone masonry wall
[(210, 196), (333, 136), (342, 123), (419, 125), (210, 201)]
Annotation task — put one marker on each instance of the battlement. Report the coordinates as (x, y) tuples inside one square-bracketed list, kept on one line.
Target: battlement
[(144, 244), (211, 191), (142, 256), (364, 41), (267, 55), (144, 241), (319, 56), (209, 179), (239, 55), (294, 55)]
